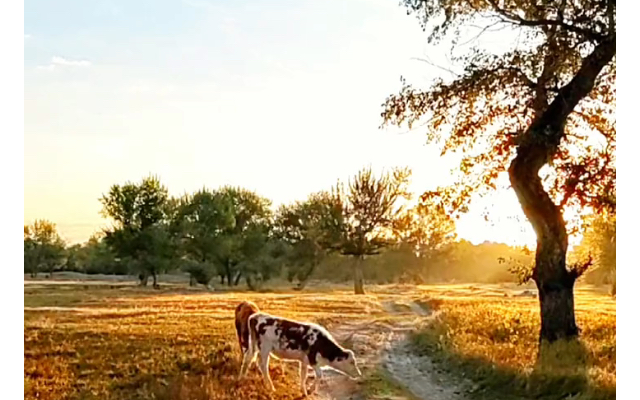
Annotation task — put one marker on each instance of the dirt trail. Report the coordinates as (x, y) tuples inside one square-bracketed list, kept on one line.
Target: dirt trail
[(384, 344)]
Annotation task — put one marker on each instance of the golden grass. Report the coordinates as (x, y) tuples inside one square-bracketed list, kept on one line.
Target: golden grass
[(494, 341), (130, 343), (124, 342)]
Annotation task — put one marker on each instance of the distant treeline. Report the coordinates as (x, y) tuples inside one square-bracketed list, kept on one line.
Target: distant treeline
[(364, 230)]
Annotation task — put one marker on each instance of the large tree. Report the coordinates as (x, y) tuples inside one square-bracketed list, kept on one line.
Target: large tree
[(548, 100), (368, 207), (140, 233)]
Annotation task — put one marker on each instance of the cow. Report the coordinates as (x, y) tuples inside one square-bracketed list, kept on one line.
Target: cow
[(307, 343), (243, 311)]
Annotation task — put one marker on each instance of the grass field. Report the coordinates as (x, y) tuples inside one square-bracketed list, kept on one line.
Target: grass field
[(124, 342), (494, 341)]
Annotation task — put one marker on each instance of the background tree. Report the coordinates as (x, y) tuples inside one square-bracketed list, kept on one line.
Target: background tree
[(599, 240), (428, 230), (75, 259), (140, 235), (98, 258), (252, 217), (549, 101), (200, 223), (261, 255), (305, 227), (368, 211), (44, 249)]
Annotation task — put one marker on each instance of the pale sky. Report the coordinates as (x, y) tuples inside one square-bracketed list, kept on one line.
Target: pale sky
[(281, 97)]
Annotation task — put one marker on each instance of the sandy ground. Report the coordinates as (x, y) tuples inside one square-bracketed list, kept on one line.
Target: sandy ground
[(379, 343)]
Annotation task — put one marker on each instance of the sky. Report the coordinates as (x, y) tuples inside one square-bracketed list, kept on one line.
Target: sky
[(280, 97)]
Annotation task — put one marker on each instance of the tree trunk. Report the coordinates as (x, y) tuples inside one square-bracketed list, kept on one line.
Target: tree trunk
[(222, 279), (237, 280), (358, 276), (557, 311), (536, 147), (143, 278), (229, 275), (192, 280), (554, 282), (155, 281)]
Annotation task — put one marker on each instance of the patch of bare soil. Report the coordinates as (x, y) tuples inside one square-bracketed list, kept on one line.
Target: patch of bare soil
[(384, 344)]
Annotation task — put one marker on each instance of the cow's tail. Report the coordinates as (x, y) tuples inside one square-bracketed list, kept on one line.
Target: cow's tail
[(252, 350)]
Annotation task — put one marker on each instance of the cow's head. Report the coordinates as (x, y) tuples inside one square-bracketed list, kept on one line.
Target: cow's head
[(347, 364)]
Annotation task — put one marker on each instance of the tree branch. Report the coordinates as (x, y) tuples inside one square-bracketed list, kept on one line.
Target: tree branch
[(516, 19), (437, 66)]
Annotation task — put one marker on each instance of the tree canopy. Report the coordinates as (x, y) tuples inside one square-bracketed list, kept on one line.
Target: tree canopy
[(484, 111)]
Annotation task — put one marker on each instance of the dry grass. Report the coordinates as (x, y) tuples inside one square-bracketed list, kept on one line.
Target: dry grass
[(128, 343), (494, 341), (123, 342)]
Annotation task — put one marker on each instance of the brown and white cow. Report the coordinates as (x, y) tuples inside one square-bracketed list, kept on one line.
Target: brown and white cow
[(243, 311), (308, 343)]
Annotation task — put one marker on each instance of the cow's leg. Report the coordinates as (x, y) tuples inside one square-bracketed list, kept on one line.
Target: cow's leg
[(239, 332), (303, 376), (247, 360), (318, 371), (264, 367)]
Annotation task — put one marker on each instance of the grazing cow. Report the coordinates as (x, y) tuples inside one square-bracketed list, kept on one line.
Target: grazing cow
[(243, 312), (307, 343)]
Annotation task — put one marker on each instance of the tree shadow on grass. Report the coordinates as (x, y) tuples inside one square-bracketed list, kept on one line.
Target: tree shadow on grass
[(561, 371)]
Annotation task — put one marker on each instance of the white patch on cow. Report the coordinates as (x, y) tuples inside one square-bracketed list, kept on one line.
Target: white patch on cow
[(313, 336)]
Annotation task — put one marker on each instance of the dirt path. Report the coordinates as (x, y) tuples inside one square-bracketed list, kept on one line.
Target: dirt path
[(383, 344)]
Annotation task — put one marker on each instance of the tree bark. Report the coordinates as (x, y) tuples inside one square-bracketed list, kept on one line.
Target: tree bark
[(358, 276), (537, 146)]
